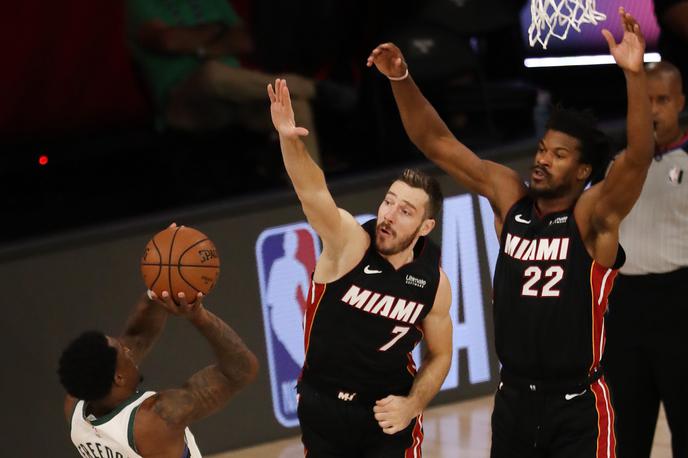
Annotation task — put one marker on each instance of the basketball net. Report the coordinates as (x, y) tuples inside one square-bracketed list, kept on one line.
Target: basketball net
[(554, 18)]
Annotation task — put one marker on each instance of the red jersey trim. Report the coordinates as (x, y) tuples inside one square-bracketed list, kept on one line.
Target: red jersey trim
[(606, 439), (601, 282), (315, 295), (414, 451)]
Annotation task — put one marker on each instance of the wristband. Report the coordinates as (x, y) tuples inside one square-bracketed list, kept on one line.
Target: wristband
[(399, 78)]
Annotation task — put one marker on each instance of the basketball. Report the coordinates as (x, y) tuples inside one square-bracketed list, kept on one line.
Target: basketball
[(180, 259)]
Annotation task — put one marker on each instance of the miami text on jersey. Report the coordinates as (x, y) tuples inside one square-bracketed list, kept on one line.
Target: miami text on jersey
[(383, 305), (545, 249)]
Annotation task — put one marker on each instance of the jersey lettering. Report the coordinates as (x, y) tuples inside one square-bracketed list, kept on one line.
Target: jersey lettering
[(96, 450), (388, 306), (543, 249)]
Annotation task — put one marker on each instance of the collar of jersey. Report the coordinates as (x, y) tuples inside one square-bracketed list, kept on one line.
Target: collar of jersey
[(108, 416), (678, 144)]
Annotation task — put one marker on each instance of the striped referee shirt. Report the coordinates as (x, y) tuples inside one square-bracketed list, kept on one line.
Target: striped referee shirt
[(655, 233)]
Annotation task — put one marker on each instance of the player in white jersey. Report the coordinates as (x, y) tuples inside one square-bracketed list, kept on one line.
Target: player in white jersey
[(110, 418), (648, 317)]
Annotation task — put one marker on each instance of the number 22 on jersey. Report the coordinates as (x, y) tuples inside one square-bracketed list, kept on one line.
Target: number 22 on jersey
[(532, 276)]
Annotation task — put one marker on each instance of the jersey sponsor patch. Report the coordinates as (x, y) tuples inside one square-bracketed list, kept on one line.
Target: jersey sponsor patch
[(415, 281)]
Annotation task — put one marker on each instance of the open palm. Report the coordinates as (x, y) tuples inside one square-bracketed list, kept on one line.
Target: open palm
[(629, 53), (282, 112)]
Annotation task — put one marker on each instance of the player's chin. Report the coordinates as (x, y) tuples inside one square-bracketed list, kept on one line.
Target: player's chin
[(387, 249)]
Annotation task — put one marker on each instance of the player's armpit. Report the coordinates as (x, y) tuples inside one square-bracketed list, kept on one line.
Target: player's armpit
[(600, 232)]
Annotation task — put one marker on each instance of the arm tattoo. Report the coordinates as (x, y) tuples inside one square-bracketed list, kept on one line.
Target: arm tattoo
[(210, 388)]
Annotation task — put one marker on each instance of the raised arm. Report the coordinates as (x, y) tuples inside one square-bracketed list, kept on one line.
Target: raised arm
[(619, 191), (394, 413), (162, 419), (337, 228), (499, 184), (143, 327)]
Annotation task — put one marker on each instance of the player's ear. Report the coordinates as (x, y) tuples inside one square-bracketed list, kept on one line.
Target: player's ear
[(427, 226), (682, 102), (584, 171), (118, 380)]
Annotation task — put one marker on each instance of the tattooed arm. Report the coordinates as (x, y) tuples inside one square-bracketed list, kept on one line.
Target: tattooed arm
[(143, 327), (161, 420)]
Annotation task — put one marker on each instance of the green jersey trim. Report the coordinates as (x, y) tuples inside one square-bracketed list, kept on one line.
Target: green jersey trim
[(105, 418)]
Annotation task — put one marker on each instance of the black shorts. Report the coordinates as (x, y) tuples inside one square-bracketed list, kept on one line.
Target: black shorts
[(333, 427), (570, 425)]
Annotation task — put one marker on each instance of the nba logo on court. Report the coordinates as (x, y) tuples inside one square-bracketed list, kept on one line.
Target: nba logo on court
[(286, 257)]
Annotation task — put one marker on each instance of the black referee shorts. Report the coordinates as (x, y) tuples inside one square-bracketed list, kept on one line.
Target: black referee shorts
[(337, 428)]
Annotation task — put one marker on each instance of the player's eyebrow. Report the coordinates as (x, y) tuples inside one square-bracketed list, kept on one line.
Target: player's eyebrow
[(403, 200), (557, 148)]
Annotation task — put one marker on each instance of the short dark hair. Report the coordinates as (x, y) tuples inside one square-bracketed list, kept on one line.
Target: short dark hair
[(595, 146), (417, 179), (87, 366), (665, 68)]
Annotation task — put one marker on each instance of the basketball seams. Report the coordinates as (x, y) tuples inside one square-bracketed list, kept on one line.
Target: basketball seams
[(155, 245), (169, 270), (180, 265), (181, 275), (181, 255)]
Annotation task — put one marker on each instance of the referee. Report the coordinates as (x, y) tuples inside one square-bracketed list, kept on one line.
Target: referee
[(647, 354)]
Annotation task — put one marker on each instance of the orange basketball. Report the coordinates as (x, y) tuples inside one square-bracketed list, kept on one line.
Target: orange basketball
[(180, 260)]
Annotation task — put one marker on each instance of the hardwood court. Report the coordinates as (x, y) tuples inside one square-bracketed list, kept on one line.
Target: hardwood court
[(454, 430)]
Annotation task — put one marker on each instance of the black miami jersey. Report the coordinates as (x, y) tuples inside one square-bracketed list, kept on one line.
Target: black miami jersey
[(550, 296), (360, 329)]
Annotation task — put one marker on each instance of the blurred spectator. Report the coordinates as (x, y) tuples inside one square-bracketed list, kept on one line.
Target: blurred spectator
[(188, 52), (672, 16)]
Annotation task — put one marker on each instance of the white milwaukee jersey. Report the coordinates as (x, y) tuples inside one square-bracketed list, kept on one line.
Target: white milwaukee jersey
[(655, 233), (112, 435)]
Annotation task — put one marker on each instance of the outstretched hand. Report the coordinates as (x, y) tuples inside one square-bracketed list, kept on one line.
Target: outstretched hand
[(388, 60), (282, 112), (629, 53)]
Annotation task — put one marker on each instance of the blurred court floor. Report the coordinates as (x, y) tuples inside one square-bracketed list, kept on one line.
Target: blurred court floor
[(454, 430)]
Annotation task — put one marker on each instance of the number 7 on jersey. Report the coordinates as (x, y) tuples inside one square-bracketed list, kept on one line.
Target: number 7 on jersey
[(400, 332)]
